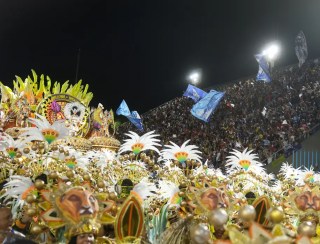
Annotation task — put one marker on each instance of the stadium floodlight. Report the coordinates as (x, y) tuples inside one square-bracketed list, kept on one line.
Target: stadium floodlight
[(195, 76), (272, 52)]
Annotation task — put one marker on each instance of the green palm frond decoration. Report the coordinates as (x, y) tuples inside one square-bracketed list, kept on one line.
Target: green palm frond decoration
[(34, 88)]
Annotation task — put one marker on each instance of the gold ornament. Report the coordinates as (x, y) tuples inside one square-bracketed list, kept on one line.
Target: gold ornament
[(31, 212), (307, 228), (100, 184), (200, 233), (112, 196), (34, 147), (39, 184), (276, 215), (30, 198), (18, 154), (36, 229), (70, 174), (41, 146), (53, 175), (218, 217), (247, 213), (183, 204), (86, 177)]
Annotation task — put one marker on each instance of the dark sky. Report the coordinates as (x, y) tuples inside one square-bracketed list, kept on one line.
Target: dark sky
[(142, 50)]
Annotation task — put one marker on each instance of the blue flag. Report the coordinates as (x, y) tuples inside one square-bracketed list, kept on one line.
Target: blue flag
[(123, 109), (194, 93), (263, 73), (301, 48), (134, 117), (136, 120), (207, 105)]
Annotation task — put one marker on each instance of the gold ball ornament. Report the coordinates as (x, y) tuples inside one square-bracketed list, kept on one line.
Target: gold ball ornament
[(200, 233), (183, 204), (61, 150), (34, 147), (183, 184), (218, 217), (36, 229), (126, 157), (18, 154), (142, 156), (86, 177), (69, 174), (66, 153), (307, 228), (100, 184), (112, 196), (132, 155), (53, 175), (31, 212), (247, 213), (54, 148), (146, 159), (41, 146), (276, 215), (39, 184), (30, 198)]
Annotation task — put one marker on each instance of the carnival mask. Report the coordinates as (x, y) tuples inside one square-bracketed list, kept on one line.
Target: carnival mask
[(308, 200), (77, 203), (213, 198)]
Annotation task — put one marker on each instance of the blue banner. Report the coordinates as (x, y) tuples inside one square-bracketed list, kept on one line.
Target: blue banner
[(123, 109), (263, 73), (136, 120), (301, 48), (207, 105), (194, 93), (134, 117)]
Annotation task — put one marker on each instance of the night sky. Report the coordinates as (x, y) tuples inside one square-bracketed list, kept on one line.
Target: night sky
[(142, 50)]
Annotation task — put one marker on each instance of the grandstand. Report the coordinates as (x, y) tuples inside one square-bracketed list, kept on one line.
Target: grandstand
[(292, 109)]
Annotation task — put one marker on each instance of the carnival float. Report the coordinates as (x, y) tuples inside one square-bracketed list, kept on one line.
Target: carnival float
[(63, 174)]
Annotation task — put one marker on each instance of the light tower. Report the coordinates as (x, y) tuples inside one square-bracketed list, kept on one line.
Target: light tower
[(271, 53), (194, 77)]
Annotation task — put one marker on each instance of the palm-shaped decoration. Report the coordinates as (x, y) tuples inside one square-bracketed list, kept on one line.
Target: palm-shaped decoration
[(137, 144), (44, 131), (181, 154)]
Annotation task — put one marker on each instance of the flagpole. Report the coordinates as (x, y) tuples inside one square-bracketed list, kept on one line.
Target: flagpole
[(78, 64)]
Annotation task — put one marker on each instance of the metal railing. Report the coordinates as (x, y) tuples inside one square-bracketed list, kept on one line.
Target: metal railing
[(301, 138)]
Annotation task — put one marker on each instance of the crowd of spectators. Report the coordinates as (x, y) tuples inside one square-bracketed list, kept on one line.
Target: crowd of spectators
[(266, 117)]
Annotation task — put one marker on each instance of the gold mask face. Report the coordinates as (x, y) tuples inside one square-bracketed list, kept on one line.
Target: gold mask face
[(213, 198), (77, 203), (308, 200)]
